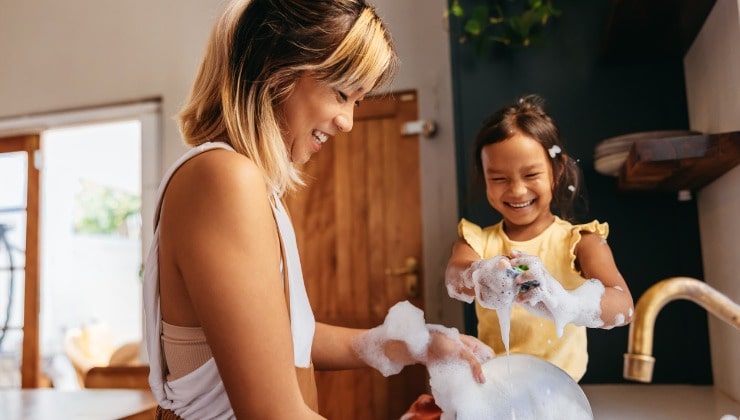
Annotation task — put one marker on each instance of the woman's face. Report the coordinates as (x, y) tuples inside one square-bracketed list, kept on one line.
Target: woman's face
[(314, 112), (519, 182)]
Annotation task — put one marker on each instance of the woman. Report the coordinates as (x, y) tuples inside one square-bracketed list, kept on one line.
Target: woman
[(230, 332)]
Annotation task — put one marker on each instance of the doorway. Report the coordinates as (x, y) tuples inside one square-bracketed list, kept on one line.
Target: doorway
[(93, 186)]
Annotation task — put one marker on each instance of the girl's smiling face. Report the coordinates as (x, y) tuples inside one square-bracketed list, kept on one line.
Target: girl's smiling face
[(519, 184), (314, 112)]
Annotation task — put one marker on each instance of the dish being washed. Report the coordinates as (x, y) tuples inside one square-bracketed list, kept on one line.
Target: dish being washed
[(518, 386)]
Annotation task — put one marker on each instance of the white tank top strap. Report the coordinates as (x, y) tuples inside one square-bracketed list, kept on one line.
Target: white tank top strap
[(302, 322), (195, 151)]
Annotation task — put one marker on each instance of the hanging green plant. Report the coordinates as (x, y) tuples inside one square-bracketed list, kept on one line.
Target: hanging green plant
[(514, 23)]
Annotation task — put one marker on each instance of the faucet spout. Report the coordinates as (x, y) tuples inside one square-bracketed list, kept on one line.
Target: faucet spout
[(639, 360)]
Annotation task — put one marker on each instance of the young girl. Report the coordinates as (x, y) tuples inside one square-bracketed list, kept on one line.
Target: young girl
[(569, 277)]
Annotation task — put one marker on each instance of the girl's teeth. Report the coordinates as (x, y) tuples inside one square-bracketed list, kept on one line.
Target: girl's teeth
[(520, 205)]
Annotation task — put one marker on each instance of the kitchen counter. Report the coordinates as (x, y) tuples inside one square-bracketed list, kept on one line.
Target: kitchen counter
[(658, 402), (88, 404)]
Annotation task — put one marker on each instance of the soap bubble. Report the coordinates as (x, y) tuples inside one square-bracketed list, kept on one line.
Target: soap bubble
[(518, 386)]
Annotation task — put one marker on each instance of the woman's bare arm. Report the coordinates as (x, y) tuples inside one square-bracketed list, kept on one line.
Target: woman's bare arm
[(219, 229), (335, 348)]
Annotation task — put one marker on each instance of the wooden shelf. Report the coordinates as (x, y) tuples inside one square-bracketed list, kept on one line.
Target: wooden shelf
[(679, 163)]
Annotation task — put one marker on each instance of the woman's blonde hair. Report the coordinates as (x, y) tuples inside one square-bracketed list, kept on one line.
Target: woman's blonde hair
[(257, 51)]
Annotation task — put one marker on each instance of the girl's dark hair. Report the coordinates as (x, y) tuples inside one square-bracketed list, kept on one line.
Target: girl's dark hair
[(527, 116)]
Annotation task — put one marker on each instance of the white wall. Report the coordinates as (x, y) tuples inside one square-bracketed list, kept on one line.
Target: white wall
[(420, 35), (712, 71), (61, 55)]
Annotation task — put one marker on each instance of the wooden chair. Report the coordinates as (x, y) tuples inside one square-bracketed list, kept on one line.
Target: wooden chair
[(92, 353), (129, 377), (119, 377), (99, 365)]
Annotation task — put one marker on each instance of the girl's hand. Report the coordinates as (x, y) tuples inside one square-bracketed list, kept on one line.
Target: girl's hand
[(543, 294), (462, 288), (548, 299), (493, 280)]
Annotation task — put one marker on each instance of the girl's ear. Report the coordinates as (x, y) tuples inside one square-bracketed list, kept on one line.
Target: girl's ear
[(563, 163), (559, 170)]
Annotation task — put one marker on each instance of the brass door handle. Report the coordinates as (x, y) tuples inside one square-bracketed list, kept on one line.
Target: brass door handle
[(410, 271)]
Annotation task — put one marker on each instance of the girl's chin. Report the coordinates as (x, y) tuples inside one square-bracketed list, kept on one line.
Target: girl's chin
[(520, 213), (520, 217)]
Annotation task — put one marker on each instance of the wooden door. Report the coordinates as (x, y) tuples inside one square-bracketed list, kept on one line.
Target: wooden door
[(26, 213), (359, 218)]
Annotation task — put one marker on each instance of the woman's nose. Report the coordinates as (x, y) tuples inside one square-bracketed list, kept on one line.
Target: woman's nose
[(344, 121)]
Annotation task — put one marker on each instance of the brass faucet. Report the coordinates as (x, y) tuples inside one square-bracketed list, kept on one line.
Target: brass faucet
[(639, 360)]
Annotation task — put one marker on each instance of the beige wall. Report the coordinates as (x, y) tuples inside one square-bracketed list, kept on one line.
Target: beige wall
[(61, 55), (712, 68)]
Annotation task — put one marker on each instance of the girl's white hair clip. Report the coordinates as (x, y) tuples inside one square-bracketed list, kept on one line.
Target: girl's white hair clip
[(572, 188), (554, 150)]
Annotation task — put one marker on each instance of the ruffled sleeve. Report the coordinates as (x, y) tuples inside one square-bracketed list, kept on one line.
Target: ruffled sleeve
[(601, 229), (472, 234)]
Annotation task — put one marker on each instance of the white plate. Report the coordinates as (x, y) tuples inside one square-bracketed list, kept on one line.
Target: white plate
[(624, 142), (517, 386), (610, 164)]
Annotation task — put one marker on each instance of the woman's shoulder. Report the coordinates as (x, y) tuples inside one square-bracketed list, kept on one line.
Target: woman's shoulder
[(219, 176), (221, 167), (219, 160)]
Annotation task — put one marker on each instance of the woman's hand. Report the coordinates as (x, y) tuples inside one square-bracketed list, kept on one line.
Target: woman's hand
[(444, 346), (405, 339)]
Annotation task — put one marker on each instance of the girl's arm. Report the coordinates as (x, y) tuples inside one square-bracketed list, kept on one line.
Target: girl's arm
[(462, 257), (602, 301), (220, 230), (594, 256)]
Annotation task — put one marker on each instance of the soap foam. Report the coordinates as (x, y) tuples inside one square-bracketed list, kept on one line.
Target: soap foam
[(534, 390), (517, 387), (404, 322), (581, 306), (495, 289)]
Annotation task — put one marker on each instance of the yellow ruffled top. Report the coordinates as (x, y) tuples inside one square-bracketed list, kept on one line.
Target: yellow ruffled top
[(530, 334)]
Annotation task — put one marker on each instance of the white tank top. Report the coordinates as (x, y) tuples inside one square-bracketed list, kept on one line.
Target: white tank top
[(201, 393)]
